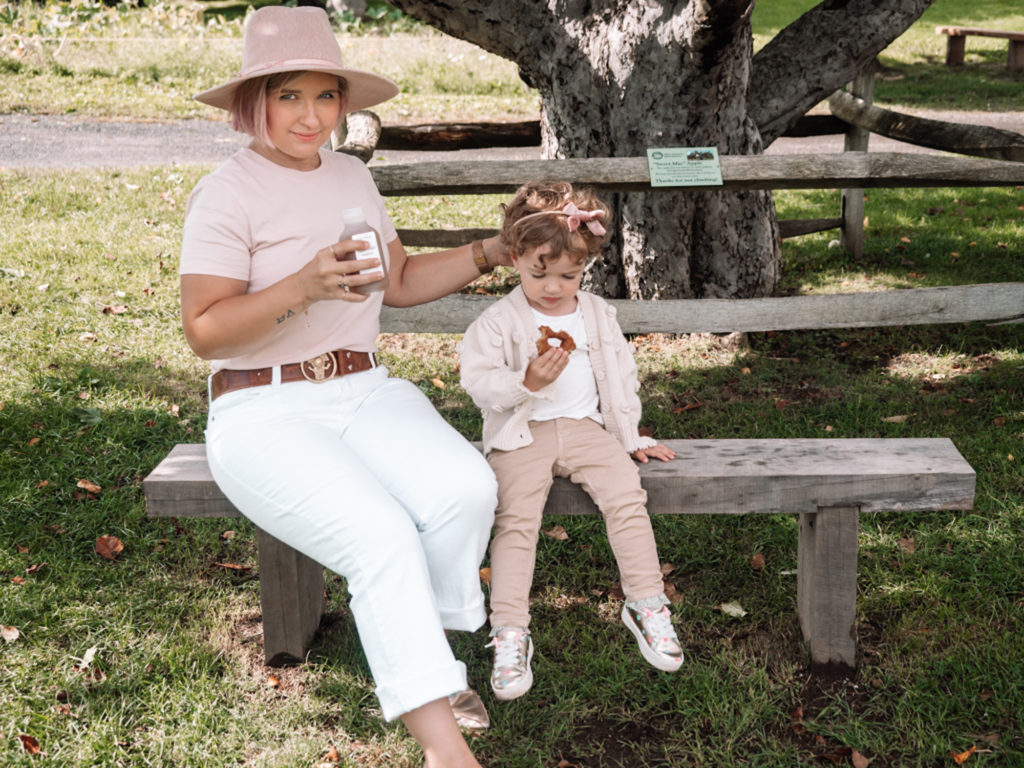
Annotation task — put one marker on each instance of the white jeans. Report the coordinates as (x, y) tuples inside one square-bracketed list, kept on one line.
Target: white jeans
[(363, 475)]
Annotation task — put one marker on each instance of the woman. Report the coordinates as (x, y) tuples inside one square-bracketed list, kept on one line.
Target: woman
[(307, 435)]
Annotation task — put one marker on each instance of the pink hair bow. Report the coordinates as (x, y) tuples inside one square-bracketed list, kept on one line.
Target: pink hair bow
[(575, 217)]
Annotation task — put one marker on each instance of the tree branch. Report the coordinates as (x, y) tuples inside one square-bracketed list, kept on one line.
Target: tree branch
[(496, 27), (820, 52)]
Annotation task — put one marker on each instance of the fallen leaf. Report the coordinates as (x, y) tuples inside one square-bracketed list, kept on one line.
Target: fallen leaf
[(907, 545), (228, 535), (233, 566), (332, 754), (34, 568), (34, 441), (858, 760), (42, 484), (116, 309), (18, 580), (9, 633), (686, 407), (485, 575), (896, 419), (437, 383), (667, 568), (961, 757), (273, 682), (87, 658), (109, 547), (731, 609), (557, 532), (29, 744), (671, 593), (563, 763), (88, 485), (757, 562)]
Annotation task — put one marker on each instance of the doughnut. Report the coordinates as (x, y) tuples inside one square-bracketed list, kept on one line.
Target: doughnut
[(546, 334)]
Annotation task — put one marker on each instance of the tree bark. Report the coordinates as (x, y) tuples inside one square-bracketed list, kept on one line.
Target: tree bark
[(617, 77), (819, 53)]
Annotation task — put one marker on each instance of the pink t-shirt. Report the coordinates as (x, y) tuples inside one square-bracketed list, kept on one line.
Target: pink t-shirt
[(254, 220)]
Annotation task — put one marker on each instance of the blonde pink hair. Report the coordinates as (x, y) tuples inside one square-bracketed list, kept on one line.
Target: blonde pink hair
[(521, 230)]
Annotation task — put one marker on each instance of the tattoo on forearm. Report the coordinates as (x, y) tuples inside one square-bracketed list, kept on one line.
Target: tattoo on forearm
[(285, 316)]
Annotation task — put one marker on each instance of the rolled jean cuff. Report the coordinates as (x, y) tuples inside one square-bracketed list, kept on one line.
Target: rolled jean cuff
[(406, 695), (464, 619)]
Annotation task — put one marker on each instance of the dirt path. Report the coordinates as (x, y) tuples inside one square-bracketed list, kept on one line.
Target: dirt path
[(47, 141)]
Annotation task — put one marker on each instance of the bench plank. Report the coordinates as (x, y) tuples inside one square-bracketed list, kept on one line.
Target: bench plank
[(706, 477)]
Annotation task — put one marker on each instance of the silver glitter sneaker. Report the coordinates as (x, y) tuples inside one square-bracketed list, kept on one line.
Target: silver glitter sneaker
[(655, 636), (513, 649)]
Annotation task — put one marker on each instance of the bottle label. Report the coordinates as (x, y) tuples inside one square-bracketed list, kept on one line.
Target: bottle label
[(373, 252)]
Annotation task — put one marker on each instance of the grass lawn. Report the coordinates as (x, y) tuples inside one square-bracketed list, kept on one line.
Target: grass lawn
[(98, 384), (153, 658)]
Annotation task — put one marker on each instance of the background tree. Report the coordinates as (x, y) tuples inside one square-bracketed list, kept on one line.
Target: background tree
[(618, 76)]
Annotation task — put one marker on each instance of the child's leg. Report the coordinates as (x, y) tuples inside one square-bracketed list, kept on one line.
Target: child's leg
[(597, 461), (524, 479)]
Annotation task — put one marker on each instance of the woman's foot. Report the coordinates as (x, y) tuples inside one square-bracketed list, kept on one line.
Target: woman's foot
[(513, 650), (655, 635), (469, 710)]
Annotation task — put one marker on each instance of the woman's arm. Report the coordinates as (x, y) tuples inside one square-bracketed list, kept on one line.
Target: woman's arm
[(222, 320), (418, 279)]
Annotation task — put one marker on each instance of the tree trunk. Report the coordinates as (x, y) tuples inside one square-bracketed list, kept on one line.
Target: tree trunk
[(617, 77), (677, 243)]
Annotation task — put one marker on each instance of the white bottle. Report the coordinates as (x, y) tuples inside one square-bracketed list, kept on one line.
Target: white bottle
[(356, 228)]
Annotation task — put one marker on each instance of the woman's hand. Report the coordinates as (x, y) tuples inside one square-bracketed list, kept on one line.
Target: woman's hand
[(545, 369), (334, 272), (662, 452)]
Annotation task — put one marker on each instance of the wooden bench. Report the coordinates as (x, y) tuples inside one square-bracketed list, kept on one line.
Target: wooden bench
[(957, 43), (828, 483)]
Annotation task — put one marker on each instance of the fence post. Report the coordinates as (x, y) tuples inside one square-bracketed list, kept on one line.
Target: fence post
[(856, 140)]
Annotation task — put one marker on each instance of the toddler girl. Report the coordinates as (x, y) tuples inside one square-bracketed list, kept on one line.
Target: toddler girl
[(566, 409)]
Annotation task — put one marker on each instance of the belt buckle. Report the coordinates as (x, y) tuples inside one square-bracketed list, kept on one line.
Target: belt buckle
[(320, 368)]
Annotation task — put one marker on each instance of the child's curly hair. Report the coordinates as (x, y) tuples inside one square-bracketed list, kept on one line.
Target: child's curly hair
[(520, 235)]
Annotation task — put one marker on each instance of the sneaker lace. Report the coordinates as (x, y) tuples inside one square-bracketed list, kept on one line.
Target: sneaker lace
[(658, 625), (508, 649)]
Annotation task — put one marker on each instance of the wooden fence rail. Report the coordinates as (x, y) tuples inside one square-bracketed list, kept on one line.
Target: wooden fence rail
[(998, 302), (991, 302)]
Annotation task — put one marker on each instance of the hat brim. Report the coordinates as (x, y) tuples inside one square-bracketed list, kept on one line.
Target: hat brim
[(365, 89)]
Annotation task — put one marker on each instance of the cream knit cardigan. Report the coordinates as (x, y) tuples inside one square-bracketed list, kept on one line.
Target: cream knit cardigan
[(499, 345)]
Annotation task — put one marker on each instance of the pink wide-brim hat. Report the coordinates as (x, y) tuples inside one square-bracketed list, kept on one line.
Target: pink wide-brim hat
[(280, 39)]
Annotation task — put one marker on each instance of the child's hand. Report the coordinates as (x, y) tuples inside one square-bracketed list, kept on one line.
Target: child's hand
[(545, 369), (662, 452)]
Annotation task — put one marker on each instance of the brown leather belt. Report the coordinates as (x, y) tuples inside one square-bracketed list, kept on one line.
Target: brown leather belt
[(329, 365)]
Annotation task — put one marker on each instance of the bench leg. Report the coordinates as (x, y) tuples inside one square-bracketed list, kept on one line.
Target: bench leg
[(1015, 61), (827, 584), (955, 50), (292, 599)]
